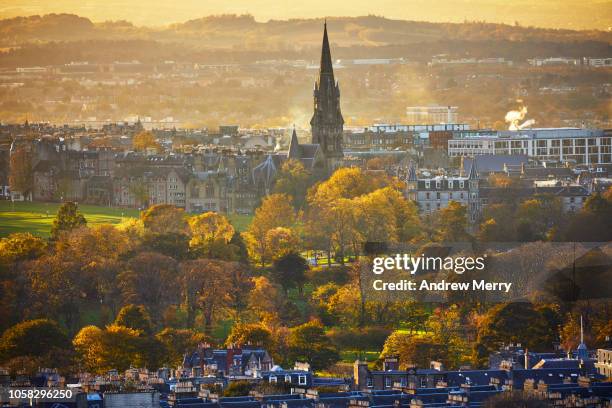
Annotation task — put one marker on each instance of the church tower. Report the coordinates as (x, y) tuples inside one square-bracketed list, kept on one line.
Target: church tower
[(327, 122)]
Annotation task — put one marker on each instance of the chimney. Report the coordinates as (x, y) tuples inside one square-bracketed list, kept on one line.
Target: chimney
[(360, 375), (526, 359), (449, 115)]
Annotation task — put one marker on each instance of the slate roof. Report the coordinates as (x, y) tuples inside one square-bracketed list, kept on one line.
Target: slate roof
[(492, 163)]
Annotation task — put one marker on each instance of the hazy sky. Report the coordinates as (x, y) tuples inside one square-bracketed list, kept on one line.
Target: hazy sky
[(576, 14)]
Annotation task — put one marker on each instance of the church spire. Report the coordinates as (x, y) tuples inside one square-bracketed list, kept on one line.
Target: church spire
[(326, 67), (327, 122)]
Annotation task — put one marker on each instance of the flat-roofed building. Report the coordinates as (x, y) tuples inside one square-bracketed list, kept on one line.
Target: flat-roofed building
[(573, 145)]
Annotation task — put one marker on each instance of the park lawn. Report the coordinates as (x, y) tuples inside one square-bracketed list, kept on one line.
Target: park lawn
[(36, 217), (349, 356)]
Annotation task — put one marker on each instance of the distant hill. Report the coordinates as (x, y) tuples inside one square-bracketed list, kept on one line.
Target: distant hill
[(241, 38), (241, 30)]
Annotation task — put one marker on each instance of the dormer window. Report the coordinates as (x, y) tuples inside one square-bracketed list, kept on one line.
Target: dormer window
[(273, 379), (427, 184)]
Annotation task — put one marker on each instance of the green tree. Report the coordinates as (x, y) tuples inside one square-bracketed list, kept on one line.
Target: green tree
[(518, 322), (135, 317), (237, 389), (290, 271), (68, 218), (309, 343), (32, 338), (177, 342), (293, 180)]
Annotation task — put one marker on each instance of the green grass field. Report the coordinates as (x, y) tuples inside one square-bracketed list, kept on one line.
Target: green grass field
[(36, 218)]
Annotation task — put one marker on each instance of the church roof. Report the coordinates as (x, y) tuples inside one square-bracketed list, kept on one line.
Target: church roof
[(294, 146)]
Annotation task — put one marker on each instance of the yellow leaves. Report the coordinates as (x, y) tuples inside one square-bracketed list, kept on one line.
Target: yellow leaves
[(145, 140), (20, 246), (114, 347), (280, 241), (275, 211), (164, 218), (208, 228)]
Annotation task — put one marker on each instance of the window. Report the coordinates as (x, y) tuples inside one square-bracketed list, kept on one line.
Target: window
[(273, 379), (461, 184), (438, 195), (302, 380), (427, 185), (369, 382), (388, 382), (287, 378)]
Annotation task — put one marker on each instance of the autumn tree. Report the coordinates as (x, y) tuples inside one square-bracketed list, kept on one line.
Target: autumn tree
[(518, 322), (68, 218), (414, 349), (254, 334), (264, 299), (593, 223), (177, 342), (451, 223), (115, 347), (20, 246), (166, 230), (275, 211), (570, 333), (150, 279), (206, 288), (145, 140), (164, 218), (281, 241), (211, 234), (446, 328), (15, 251)]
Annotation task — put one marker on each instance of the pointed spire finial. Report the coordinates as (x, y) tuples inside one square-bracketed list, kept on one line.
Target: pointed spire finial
[(581, 330)]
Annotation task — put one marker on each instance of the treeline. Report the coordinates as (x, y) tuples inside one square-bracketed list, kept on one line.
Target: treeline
[(156, 51), (147, 290)]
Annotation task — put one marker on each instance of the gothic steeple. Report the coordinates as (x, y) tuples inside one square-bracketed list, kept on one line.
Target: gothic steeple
[(327, 122)]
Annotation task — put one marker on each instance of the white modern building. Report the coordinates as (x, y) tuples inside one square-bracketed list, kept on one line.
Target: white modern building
[(573, 145), (432, 114)]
